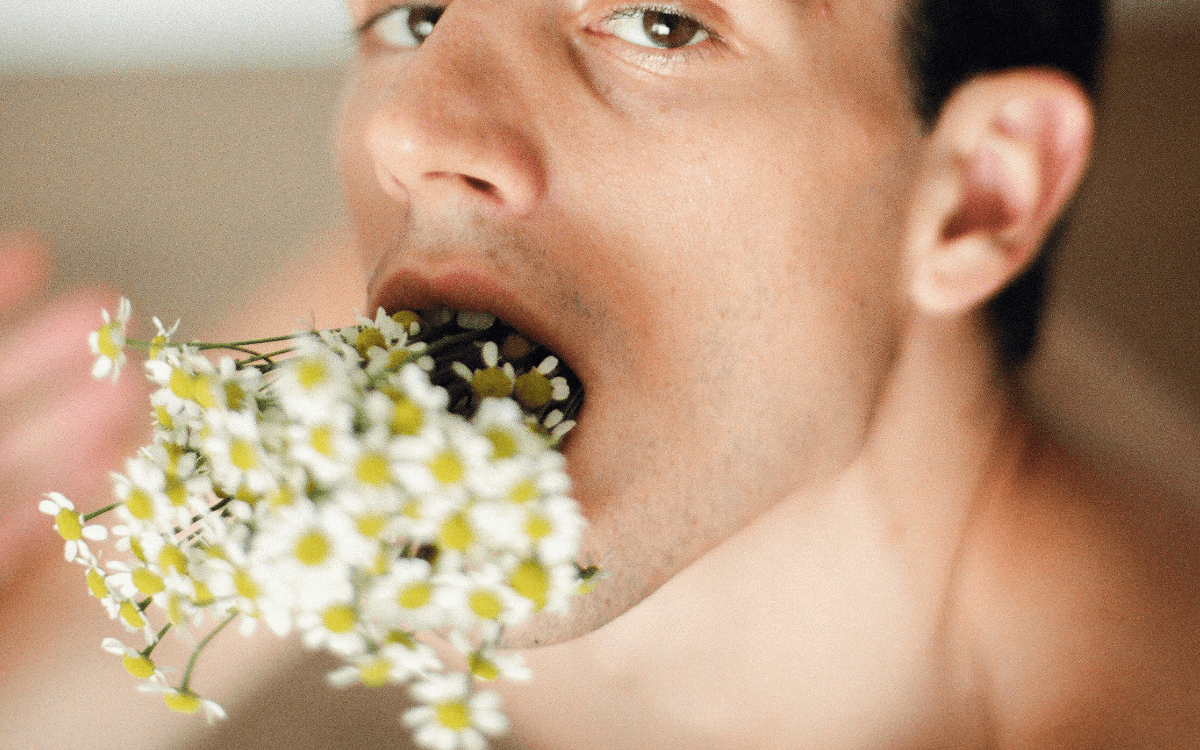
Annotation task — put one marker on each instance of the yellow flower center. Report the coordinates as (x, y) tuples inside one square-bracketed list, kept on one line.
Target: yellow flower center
[(406, 417), (234, 396), (454, 715), (533, 390), (204, 595), (398, 358), (482, 668), (414, 595), (406, 319), (164, 417), (242, 583), (371, 524), (503, 443), (242, 454), (375, 673), (69, 524), (139, 504), (148, 582), (311, 373), (184, 703), (96, 584), (132, 615), (176, 492), (372, 468), (172, 557), (446, 467), (523, 491), (180, 383), (340, 618), (175, 613), (530, 581), (491, 381), (282, 496), (321, 439), (202, 390), (110, 340), (156, 345), (312, 548), (138, 666), (538, 526), (485, 604), (456, 533), (367, 338)]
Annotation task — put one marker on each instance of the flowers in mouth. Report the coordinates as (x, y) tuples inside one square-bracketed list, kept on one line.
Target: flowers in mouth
[(363, 486)]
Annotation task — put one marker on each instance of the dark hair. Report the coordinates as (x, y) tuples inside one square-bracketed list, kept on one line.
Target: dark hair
[(946, 42)]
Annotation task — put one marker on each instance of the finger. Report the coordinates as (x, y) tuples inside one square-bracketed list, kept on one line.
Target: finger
[(51, 347), (25, 261), (68, 446)]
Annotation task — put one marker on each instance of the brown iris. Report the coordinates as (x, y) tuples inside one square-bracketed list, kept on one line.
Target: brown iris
[(669, 30), (421, 20)]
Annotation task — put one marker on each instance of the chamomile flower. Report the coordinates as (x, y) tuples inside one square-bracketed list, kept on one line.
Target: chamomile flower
[(337, 627), (341, 493), (314, 380), (393, 663), (493, 379), (184, 701), (162, 337), (404, 597), (72, 528), (108, 343), (536, 388), (481, 599), (235, 446), (501, 421), (450, 717), (135, 662), (486, 663)]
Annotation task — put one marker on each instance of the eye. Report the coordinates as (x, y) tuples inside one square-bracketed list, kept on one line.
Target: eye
[(403, 25), (659, 28)]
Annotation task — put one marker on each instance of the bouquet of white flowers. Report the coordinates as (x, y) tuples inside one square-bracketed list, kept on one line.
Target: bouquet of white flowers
[(360, 486)]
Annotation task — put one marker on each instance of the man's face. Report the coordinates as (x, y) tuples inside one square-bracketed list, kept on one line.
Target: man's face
[(704, 218)]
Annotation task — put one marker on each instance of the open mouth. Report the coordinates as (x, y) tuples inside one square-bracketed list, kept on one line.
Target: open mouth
[(475, 355)]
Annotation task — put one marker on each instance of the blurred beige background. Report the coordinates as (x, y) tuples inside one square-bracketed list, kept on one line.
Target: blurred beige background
[(185, 190)]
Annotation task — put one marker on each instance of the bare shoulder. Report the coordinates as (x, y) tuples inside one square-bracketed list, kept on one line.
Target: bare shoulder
[(1080, 608)]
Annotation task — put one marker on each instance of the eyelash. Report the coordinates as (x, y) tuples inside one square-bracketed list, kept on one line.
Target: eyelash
[(656, 56)]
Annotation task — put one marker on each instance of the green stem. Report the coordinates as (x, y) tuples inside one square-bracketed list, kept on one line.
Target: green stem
[(248, 342), (89, 516), (157, 640), (267, 356), (187, 673)]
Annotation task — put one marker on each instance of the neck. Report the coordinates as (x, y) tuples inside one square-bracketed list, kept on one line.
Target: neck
[(822, 617)]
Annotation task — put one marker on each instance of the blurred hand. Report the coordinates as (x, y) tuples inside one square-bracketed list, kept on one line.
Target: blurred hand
[(59, 428)]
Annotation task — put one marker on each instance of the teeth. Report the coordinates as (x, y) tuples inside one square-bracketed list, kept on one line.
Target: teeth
[(475, 321), (438, 317)]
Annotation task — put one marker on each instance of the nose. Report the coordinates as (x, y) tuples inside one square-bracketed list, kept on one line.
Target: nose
[(450, 128)]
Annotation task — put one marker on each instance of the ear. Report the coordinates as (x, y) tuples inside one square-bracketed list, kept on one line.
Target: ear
[(1004, 158)]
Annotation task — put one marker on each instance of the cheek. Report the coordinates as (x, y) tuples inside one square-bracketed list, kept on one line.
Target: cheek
[(374, 215)]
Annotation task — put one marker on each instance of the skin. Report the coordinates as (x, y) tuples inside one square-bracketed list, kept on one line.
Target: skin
[(825, 521)]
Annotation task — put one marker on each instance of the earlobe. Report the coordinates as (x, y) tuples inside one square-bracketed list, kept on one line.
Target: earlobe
[(1002, 162)]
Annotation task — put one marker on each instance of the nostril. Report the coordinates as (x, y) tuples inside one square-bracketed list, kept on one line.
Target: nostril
[(482, 186)]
